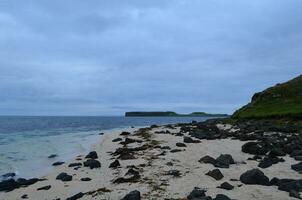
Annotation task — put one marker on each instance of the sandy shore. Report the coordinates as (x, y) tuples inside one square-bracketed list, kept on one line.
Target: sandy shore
[(153, 165)]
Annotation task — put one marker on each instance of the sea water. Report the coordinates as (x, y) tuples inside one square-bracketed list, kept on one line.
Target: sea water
[(26, 142)]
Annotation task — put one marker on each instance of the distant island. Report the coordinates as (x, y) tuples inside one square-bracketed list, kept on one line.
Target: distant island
[(171, 114)]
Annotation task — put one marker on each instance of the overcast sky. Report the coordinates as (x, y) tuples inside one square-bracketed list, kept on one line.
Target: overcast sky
[(101, 57)]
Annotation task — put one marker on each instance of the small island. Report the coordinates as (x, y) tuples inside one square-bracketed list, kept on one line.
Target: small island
[(171, 114)]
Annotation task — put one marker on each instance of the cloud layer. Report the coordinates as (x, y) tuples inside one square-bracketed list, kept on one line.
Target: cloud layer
[(105, 57)]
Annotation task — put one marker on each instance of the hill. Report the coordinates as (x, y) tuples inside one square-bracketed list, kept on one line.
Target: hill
[(171, 114), (282, 100)]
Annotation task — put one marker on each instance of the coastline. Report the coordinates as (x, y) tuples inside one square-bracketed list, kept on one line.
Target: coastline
[(154, 160)]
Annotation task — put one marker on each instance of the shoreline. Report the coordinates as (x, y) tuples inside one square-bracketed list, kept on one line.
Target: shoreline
[(159, 164)]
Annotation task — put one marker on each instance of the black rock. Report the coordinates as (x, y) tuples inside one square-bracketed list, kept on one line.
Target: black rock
[(125, 133), (297, 167), (86, 179), (52, 156), (224, 161), (274, 181), (255, 148), (75, 164), (276, 152), (173, 172), (131, 171), (265, 163), (133, 195), (24, 196), (27, 182), (207, 159), (226, 186), (92, 155), (45, 187), (298, 158), (64, 177), (254, 177), (180, 144), (190, 140), (8, 185), (216, 174), (57, 163), (222, 197), (294, 193), (175, 150), (117, 139), (165, 147), (289, 184), (197, 193), (92, 163), (8, 175), (115, 164), (75, 197)]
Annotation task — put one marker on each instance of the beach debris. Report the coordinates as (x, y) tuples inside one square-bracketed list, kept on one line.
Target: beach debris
[(254, 177), (64, 177), (57, 163), (115, 164), (133, 195), (92, 155), (92, 163), (47, 187), (216, 174)]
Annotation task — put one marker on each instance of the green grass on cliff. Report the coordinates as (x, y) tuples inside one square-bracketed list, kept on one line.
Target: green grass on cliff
[(282, 100)]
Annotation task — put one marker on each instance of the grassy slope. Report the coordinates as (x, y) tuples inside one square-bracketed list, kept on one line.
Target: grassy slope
[(282, 100)]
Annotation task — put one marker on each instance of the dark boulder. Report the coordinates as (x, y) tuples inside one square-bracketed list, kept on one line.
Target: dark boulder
[(174, 172), (222, 197), (289, 184), (92, 155), (298, 158), (86, 179), (207, 159), (224, 161), (75, 165), (265, 163), (27, 182), (254, 177), (276, 152), (64, 177), (76, 196), (133, 195), (117, 139), (52, 156), (115, 164), (45, 187), (226, 186), (297, 167), (8, 175), (24, 196), (255, 148), (180, 144), (124, 133), (197, 193), (57, 163), (92, 163), (190, 140), (175, 150), (8, 185), (295, 194), (216, 174)]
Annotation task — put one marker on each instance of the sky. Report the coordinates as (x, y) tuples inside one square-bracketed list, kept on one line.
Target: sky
[(101, 57)]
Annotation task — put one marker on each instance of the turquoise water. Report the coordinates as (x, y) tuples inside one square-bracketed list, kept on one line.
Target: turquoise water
[(26, 142)]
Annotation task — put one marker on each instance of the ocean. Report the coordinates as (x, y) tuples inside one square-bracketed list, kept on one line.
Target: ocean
[(26, 142)]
